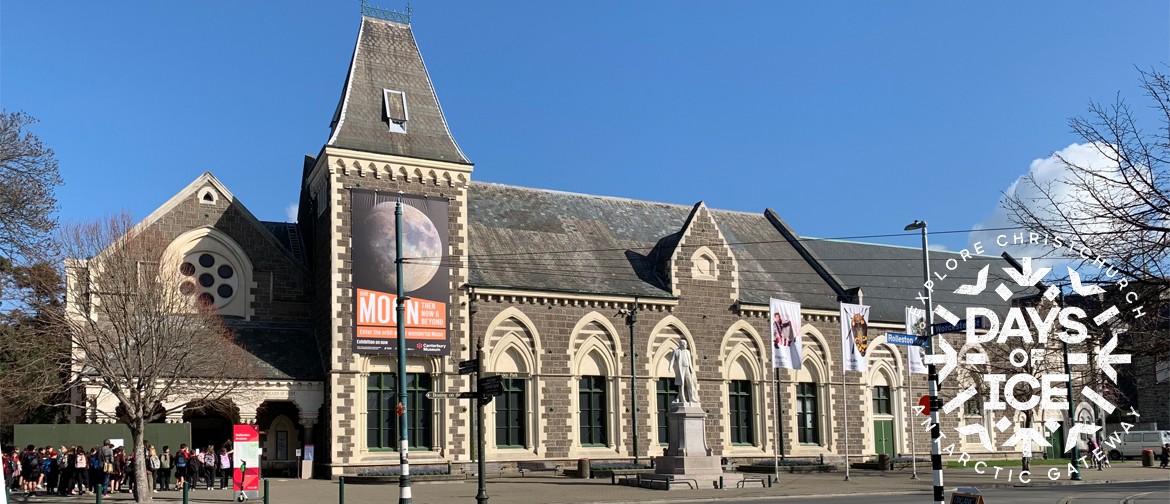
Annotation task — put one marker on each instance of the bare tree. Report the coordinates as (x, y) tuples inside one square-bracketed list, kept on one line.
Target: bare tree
[(137, 334), (1120, 211), (28, 177)]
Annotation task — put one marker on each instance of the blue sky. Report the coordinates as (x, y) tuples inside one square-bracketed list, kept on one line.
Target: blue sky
[(848, 118)]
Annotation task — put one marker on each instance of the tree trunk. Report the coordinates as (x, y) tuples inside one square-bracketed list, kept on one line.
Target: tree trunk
[(142, 490)]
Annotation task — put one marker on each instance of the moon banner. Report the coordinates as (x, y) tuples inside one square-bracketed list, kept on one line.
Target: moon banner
[(426, 273)]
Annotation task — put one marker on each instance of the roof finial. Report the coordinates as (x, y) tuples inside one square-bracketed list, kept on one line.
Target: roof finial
[(387, 14)]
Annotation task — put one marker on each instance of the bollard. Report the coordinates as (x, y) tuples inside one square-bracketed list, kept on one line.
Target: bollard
[(341, 490), (186, 491), (99, 493), (769, 481), (265, 490), (721, 482)]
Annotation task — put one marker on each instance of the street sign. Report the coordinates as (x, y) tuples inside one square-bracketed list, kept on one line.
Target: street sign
[(907, 339), (508, 376), (946, 327), (924, 401), (469, 366), (450, 395), (491, 388)]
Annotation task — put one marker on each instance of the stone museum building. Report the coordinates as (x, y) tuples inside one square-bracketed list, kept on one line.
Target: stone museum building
[(579, 297)]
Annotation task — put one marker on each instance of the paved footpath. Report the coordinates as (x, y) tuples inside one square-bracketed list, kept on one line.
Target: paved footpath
[(562, 490)]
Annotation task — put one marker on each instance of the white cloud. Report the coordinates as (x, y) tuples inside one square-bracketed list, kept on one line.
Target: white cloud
[(1050, 173), (938, 246), (290, 212)]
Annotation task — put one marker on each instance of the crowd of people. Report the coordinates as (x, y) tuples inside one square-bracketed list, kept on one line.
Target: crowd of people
[(74, 470)]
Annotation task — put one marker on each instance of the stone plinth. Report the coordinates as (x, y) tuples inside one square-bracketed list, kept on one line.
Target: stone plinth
[(688, 457), (688, 430)]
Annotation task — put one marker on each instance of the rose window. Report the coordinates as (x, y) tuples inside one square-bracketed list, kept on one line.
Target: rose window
[(209, 277)]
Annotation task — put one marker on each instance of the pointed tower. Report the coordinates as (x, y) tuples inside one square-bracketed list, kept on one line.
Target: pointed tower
[(388, 137)]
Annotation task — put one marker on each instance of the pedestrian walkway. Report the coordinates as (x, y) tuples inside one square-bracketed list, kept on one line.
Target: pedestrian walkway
[(563, 490)]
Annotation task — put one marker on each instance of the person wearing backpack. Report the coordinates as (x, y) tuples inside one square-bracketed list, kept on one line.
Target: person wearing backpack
[(11, 469), (153, 463), (30, 469), (97, 474), (164, 469), (50, 470), (209, 467), (182, 460)]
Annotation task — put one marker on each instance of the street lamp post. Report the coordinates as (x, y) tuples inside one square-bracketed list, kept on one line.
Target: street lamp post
[(633, 319), (931, 370), (404, 496), (481, 496)]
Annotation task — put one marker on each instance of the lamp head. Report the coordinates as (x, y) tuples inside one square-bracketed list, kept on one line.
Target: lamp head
[(917, 224)]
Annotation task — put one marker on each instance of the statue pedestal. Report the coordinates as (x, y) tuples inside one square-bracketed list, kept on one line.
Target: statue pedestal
[(688, 456)]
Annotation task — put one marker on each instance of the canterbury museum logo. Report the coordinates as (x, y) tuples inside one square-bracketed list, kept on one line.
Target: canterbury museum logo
[(1015, 366)]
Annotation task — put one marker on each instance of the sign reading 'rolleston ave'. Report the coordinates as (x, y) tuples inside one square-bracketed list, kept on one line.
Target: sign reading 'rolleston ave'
[(426, 277), (894, 338)]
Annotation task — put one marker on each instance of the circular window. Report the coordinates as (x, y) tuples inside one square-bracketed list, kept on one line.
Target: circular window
[(209, 277)]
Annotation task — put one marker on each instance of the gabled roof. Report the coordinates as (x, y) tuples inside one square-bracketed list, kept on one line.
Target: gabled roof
[(549, 240), (206, 179), (386, 57), (890, 277)]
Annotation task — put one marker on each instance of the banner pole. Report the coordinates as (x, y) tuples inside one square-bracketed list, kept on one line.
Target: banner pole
[(845, 426), (776, 413)]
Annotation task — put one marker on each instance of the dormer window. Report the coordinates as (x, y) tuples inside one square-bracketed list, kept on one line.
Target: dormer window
[(395, 109)]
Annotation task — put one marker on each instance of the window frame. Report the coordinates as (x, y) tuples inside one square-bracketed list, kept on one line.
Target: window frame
[(513, 400), (808, 423), (664, 390), (420, 409), (593, 392), (881, 400), (741, 412)]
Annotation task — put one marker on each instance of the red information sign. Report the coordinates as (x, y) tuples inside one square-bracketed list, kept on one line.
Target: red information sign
[(925, 403), (246, 461)]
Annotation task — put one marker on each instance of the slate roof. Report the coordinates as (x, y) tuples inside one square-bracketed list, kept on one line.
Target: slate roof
[(556, 241), (280, 351), (890, 277), (289, 237), (386, 56)]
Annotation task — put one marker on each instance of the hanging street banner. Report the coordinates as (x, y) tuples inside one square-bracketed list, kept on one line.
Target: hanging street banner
[(245, 462), (426, 279), (784, 321), (916, 325), (854, 336)]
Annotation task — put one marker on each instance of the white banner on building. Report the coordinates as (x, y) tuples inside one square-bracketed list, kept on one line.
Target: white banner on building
[(784, 319), (915, 324), (854, 336)]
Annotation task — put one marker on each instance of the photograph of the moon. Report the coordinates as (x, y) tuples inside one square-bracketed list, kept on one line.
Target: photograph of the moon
[(421, 245)]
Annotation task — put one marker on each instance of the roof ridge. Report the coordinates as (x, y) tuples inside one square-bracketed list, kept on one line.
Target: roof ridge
[(918, 248), (688, 207)]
